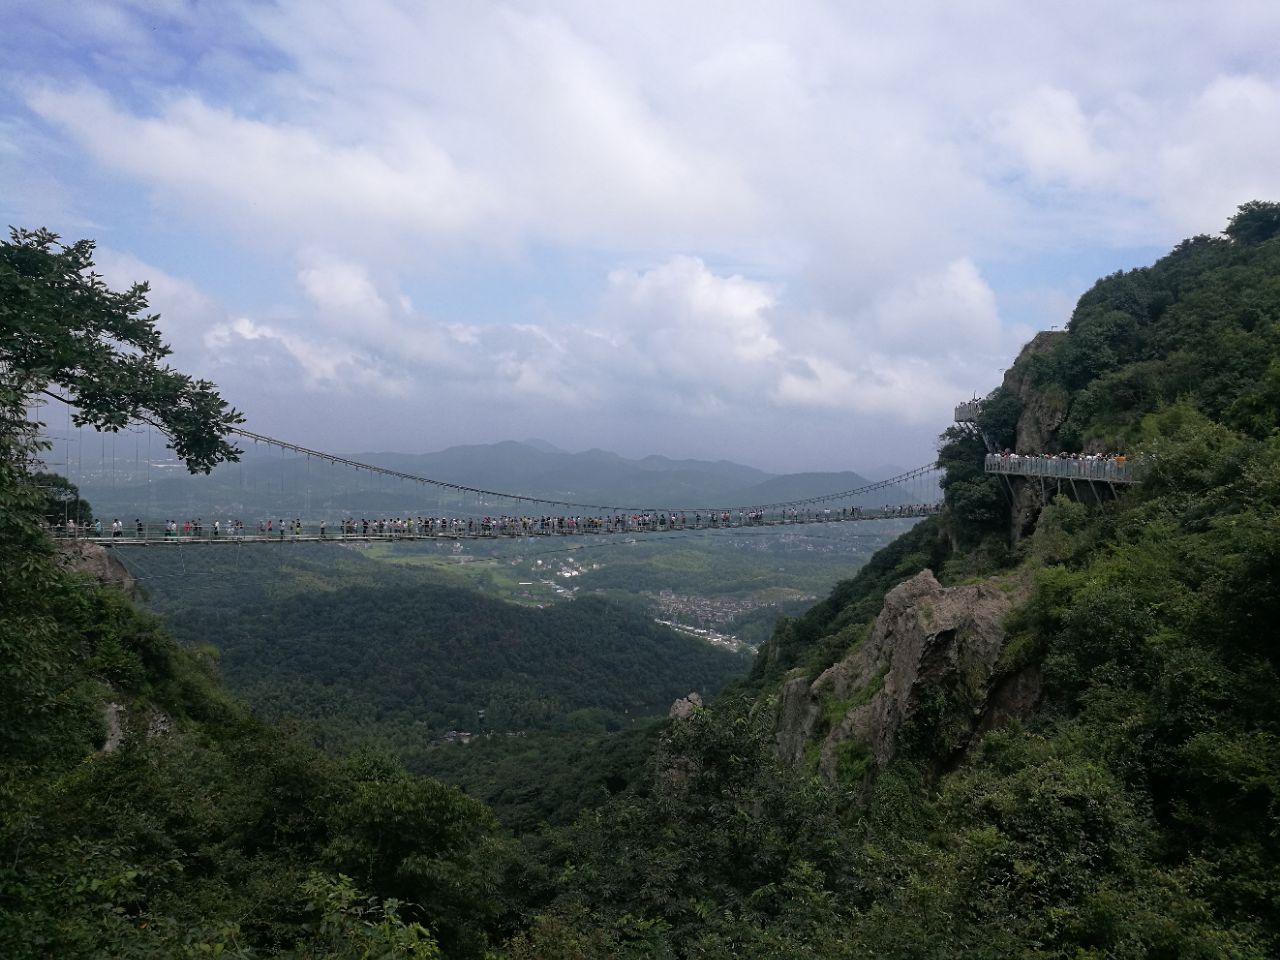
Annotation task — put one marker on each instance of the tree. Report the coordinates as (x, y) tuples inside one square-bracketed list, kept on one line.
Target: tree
[(1254, 222), (62, 500), (60, 325)]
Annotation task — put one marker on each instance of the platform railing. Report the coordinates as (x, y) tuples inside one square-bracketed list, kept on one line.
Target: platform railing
[(1104, 469)]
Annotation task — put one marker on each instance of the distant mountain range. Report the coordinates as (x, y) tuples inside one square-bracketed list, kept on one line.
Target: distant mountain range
[(267, 483)]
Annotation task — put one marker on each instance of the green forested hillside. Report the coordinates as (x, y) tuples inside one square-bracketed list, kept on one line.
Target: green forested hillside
[(367, 654), (323, 634)]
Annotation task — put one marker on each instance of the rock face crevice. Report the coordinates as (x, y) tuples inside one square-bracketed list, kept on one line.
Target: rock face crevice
[(929, 641)]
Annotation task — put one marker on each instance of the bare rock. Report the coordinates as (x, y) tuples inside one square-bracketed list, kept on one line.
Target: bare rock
[(98, 562), (683, 708), (1043, 412), (796, 718), (159, 724), (674, 770), (113, 717), (121, 724), (928, 640)]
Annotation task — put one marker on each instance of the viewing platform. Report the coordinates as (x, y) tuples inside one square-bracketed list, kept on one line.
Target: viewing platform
[(1104, 470), (967, 412)]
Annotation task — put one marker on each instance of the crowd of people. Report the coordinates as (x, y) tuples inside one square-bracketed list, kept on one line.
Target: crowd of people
[(1082, 466), (486, 526)]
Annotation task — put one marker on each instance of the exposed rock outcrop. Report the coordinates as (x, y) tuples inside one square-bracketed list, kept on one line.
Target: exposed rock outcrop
[(100, 563), (122, 723), (932, 648), (113, 718), (1042, 412), (683, 708), (674, 769)]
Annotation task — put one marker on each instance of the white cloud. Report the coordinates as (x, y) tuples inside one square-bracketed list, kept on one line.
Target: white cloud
[(689, 326), (311, 363), (186, 311), (274, 179), (953, 309), (1221, 152), (1053, 138)]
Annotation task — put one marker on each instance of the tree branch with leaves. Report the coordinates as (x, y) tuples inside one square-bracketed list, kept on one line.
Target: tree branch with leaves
[(65, 333)]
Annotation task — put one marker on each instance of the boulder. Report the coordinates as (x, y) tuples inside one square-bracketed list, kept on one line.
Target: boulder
[(928, 640), (683, 708)]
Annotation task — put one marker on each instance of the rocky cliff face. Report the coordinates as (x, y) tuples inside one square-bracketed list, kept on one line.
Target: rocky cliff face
[(100, 563), (929, 641), (1043, 413)]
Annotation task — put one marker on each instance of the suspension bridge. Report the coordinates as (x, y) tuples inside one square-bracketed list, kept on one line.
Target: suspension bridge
[(475, 512)]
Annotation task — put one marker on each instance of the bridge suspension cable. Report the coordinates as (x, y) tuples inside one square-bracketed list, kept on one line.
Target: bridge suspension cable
[(918, 474), (551, 501)]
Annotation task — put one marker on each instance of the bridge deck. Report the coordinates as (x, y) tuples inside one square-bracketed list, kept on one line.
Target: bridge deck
[(151, 537)]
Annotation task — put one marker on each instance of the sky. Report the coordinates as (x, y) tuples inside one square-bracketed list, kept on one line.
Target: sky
[(792, 235)]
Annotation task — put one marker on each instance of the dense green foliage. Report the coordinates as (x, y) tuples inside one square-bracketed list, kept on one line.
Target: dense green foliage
[(62, 500), (546, 777), (202, 830)]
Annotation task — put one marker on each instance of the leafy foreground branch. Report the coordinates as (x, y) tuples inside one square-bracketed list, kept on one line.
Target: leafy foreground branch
[(61, 326)]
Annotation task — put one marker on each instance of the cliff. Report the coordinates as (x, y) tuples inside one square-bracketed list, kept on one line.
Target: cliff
[(1043, 411), (928, 641), (100, 563)]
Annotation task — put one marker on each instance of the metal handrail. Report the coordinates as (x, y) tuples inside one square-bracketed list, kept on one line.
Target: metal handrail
[(1105, 469)]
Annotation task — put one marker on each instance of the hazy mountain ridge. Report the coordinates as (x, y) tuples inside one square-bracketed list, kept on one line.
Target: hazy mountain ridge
[(286, 485)]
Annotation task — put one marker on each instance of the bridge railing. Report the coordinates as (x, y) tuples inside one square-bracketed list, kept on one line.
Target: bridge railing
[(1116, 470)]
